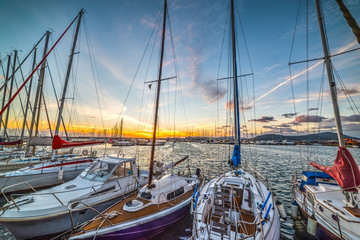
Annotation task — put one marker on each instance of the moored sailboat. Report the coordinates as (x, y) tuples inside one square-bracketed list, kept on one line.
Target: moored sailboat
[(329, 200), (235, 205), (160, 203), (97, 187)]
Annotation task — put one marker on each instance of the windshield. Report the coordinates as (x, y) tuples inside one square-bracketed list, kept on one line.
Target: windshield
[(97, 172)]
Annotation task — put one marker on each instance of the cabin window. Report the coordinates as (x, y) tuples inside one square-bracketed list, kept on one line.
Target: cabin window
[(119, 172), (335, 217), (321, 208), (127, 169), (123, 170), (175, 193), (98, 172), (146, 195)]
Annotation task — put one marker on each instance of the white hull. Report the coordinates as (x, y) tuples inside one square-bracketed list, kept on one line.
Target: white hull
[(48, 210), (42, 175)]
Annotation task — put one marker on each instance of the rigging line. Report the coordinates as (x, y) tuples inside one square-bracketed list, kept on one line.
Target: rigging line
[(92, 70), (295, 122), (347, 94), (137, 70), (319, 106), (293, 39), (178, 79), (307, 66), (57, 100), (6, 80), (21, 103), (17, 92), (250, 63), (47, 115)]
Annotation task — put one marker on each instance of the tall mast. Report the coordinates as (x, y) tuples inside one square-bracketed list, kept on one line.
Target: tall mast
[(28, 98), (5, 87), (157, 98), (10, 93), (67, 79), (235, 84), (330, 74), (121, 128), (37, 96)]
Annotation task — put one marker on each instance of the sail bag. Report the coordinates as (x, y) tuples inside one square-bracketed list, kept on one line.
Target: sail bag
[(345, 170)]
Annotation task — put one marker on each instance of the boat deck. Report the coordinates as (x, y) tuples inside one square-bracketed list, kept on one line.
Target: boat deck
[(225, 207), (124, 216)]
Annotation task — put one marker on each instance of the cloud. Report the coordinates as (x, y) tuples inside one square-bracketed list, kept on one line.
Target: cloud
[(268, 69), (263, 119), (294, 123), (268, 127), (284, 125), (288, 78), (349, 91), (289, 115), (309, 118), (210, 91), (351, 118), (313, 109), (229, 105)]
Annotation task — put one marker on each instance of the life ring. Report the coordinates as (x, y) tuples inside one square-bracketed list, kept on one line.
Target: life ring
[(85, 152)]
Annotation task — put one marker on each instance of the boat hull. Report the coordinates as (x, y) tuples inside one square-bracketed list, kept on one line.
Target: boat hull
[(56, 224), (322, 233), (36, 180), (144, 229)]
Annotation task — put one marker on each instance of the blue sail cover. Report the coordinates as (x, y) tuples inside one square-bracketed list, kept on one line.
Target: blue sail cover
[(236, 157)]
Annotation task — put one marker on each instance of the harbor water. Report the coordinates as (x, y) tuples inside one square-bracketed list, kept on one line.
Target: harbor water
[(276, 163)]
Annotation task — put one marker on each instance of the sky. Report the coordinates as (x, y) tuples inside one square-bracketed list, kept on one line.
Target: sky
[(112, 42)]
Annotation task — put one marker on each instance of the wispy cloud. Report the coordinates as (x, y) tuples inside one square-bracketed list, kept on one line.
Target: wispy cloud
[(342, 49)]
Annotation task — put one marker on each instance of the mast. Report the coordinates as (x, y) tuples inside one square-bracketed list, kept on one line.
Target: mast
[(10, 92), (37, 94), (157, 98), (28, 99), (235, 84), (330, 74), (5, 87), (121, 128), (67, 79)]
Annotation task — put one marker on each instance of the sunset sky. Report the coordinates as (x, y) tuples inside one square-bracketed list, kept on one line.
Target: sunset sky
[(114, 36)]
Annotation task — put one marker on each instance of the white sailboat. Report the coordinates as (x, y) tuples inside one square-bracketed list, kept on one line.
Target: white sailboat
[(55, 170), (159, 204), (98, 187), (329, 200), (235, 205)]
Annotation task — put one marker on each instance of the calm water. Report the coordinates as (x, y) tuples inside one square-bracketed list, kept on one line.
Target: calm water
[(277, 163)]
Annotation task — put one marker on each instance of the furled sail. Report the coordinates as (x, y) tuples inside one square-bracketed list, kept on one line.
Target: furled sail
[(236, 157), (345, 170), (18, 142), (60, 143)]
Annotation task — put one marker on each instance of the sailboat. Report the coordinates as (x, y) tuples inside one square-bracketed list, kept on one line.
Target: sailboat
[(56, 169), (160, 203), (235, 205), (121, 141), (329, 200), (99, 186)]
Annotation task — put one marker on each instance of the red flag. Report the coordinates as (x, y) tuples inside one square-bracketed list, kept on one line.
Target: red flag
[(59, 143), (345, 170)]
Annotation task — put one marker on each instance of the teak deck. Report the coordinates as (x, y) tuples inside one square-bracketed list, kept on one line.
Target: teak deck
[(125, 216)]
